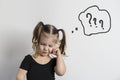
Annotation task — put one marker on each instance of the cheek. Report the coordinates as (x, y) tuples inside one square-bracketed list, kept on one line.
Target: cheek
[(51, 49), (41, 47)]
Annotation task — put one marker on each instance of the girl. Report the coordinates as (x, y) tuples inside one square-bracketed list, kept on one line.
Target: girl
[(40, 65)]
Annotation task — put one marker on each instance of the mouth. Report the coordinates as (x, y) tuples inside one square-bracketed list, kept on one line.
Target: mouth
[(45, 52)]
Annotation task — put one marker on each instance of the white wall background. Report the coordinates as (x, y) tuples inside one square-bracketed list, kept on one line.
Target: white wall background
[(95, 57)]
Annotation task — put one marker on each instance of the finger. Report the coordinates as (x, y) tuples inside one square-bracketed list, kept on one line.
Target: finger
[(54, 51)]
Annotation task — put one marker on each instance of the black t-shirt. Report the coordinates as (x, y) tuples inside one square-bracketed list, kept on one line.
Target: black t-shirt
[(36, 71)]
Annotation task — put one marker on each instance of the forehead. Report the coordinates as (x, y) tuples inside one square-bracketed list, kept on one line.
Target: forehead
[(48, 38)]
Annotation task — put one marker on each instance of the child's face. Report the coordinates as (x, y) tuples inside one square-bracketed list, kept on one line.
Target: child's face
[(47, 44)]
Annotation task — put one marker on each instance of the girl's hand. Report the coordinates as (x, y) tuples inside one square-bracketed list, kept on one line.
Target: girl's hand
[(56, 51)]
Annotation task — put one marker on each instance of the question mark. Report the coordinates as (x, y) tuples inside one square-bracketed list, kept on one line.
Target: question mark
[(95, 20), (90, 18), (101, 22)]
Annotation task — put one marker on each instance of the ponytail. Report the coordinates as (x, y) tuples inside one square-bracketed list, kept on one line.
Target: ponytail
[(36, 36), (63, 42), (37, 32)]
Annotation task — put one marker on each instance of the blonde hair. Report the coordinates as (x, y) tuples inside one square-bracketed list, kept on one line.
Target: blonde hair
[(49, 29)]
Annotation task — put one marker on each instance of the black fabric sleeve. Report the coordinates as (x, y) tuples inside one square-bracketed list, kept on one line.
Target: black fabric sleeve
[(26, 63)]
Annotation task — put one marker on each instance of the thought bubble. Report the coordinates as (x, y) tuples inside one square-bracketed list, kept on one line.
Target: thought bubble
[(95, 20)]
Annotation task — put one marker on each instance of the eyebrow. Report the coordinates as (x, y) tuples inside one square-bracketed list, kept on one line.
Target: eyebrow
[(51, 43)]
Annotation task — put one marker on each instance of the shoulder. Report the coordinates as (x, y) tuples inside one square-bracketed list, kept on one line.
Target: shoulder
[(28, 56), (26, 62), (53, 61)]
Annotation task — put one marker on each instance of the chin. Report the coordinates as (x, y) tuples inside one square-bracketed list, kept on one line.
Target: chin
[(44, 54)]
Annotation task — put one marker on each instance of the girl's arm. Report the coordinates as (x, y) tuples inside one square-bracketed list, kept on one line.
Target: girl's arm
[(21, 74), (60, 67)]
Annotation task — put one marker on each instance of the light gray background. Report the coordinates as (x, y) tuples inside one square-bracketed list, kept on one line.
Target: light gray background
[(95, 57)]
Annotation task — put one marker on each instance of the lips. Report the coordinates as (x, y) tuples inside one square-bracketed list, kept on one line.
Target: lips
[(45, 52)]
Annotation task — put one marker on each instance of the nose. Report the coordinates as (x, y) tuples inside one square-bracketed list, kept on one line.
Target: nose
[(45, 48)]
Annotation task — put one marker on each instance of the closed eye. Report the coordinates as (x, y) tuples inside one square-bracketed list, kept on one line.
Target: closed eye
[(42, 43), (50, 45)]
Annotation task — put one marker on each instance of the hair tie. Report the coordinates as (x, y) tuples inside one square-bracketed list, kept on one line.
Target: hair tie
[(42, 24), (58, 30)]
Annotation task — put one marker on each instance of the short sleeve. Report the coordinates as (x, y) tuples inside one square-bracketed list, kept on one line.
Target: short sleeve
[(25, 64)]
